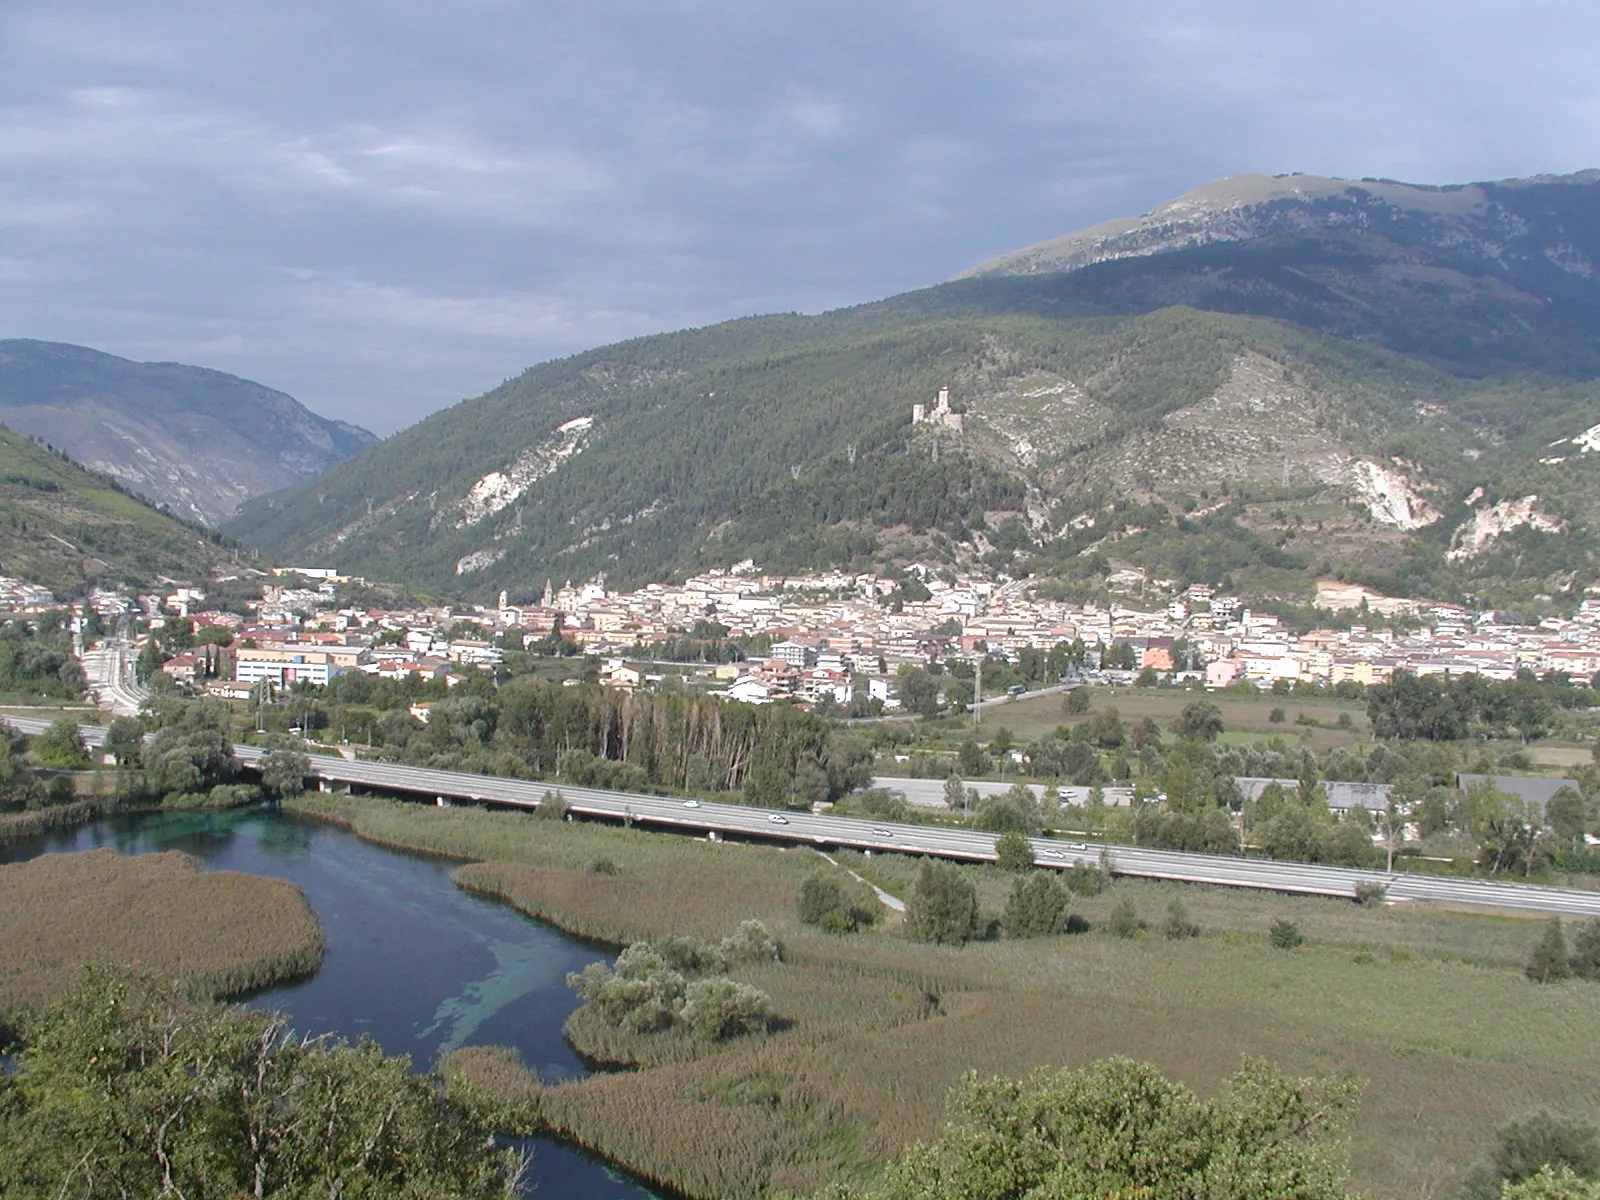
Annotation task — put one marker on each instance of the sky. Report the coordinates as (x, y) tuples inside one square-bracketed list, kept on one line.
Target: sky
[(385, 206)]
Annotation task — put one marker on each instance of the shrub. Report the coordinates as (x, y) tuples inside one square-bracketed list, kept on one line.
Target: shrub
[(1286, 934), (552, 807), (603, 866), (717, 1008), (1178, 923), (1124, 920), (1369, 892), (1548, 962), (835, 902)]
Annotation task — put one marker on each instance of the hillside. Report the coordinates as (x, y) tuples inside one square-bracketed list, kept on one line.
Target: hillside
[(196, 441), (1175, 445), (61, 526)]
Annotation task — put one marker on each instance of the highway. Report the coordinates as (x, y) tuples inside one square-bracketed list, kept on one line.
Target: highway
[(825, 830)]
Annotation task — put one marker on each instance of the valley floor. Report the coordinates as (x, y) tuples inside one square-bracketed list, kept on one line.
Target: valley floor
[(1430, 1009)]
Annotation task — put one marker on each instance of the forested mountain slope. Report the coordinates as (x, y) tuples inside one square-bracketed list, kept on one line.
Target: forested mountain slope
[(1176, 444), (193, 440), (61, 526)]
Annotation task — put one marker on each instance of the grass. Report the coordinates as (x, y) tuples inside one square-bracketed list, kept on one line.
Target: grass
[(224, 932), (1244, 717), (1430, 1008)]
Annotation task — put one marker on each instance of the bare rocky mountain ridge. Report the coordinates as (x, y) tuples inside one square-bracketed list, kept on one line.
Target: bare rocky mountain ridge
[(196, 441), (1486, 219)]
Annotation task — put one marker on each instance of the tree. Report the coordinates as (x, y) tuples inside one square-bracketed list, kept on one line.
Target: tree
[(192, 754), (1585, 960), (285, 771), (127, 1088), (1570, 815), (1118, 1128), (1013, 851), (1199, 721), (60, 746), (1037, 906), (943, 906), (124, 737), (955, 793), (1076, 702), (1548, 962)]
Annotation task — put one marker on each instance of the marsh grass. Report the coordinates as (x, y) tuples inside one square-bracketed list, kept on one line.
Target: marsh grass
[(223, 932), (1429, 1008)]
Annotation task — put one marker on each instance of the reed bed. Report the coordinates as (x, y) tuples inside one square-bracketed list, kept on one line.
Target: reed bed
[(1429, 1008), (224, 932)]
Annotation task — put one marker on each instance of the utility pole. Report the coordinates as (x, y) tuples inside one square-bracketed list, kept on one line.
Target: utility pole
[(977, 692)]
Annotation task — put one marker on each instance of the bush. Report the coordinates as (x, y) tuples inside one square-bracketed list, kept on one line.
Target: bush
[(1178, 923), (552, 807), (1085, 881), (717, 1008), (1369, 892), (835, 902), (1013, 851), (1124, 920), (1286, 935), (650, 990), (603, 866)]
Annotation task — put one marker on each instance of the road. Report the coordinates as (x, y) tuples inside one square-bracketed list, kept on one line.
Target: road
[(825, 830), (109, 674)]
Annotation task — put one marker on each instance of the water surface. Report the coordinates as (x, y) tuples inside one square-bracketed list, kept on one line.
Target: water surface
[(413, 962)]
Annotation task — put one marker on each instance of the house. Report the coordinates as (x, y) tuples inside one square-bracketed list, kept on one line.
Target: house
[(285, 667), (622, 677), (750, 691)]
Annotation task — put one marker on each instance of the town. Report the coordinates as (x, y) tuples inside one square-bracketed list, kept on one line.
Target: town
[(836, 638)]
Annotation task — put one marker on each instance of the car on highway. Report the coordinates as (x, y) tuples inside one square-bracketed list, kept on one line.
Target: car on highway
[(691, 804), (778, 819), (883, 833), (1052, 854)]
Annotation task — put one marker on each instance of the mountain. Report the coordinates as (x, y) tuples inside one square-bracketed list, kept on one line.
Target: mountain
[(194, 440), (1475, 278), (1270, 381), (62, 526)]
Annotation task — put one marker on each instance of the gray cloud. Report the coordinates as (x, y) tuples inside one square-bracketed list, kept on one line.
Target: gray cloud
[(383, 206)]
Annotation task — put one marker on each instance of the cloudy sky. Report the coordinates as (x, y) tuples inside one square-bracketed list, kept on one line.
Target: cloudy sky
[(383, 206)]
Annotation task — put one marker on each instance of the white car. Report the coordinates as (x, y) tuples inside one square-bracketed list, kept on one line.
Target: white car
[(778, 819), (691, 804), (1052, 854), (883, 833)]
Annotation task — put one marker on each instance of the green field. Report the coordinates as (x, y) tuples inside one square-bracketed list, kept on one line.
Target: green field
[(1429, 1008), (1244, 716)]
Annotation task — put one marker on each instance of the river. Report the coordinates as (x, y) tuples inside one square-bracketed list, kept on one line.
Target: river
[(413, 962)]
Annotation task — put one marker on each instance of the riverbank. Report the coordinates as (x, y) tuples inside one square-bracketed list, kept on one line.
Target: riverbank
[(1430, 1008), (224, 932)]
